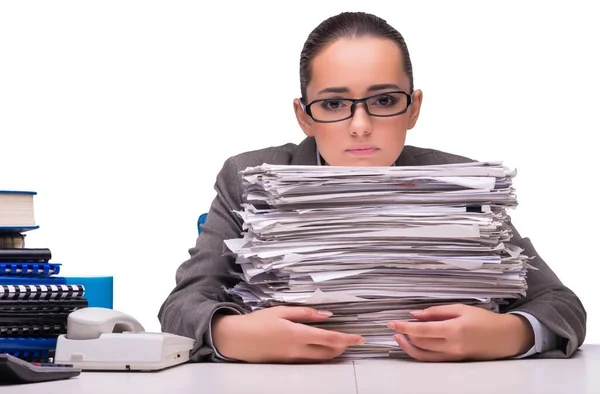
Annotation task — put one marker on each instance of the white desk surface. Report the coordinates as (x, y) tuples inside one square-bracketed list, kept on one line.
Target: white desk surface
[(578, 375)]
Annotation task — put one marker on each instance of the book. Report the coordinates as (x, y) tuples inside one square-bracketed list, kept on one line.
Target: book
[(12, 240), (16, 211)]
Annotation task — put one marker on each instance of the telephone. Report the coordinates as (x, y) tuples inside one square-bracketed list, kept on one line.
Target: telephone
[(107, 339)]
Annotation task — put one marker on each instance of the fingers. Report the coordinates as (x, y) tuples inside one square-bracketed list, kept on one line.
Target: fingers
[(312, 354), (421, 354), (319, 344), (304, 343), (433, 329), (299, 314), (318, 352), (319, 336), (432, 344), (440, 312)]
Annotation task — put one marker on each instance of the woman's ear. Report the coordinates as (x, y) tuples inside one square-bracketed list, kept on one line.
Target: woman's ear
[(303, 119), (415, 108)]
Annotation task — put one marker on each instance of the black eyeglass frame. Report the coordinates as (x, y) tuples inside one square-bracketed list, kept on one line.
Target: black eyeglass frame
[(306, 108)]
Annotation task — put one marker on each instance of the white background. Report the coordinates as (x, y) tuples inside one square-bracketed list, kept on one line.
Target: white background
[(121, 113)]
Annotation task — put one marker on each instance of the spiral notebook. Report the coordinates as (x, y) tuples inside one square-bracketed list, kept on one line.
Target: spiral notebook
[(31, 355), (32, 330), (34, 319), (29, 269), (30, 349), (40, 292), (37, 307)]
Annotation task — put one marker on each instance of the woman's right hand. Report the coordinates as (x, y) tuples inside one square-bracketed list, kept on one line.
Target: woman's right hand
[(277, 335)]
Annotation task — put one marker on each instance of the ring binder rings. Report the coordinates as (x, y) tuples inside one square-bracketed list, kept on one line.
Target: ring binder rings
[(36, 292), (32, 330), (29, 269), (34, 307), (31, 349)]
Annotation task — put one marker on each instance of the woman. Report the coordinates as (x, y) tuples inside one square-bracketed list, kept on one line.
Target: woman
[(358, 101)]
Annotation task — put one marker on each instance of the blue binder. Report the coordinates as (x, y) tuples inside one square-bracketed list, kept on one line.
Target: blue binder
[(28, 348), (32, 280), (29, 269), (98, 289), (27, 344)]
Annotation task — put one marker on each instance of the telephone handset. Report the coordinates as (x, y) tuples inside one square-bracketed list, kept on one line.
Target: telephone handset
[(90, 323), (107, 339)]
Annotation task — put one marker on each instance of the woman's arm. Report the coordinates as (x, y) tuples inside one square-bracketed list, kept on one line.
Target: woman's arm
[(462, 332), (271, 335), (553, 304), (200, 280)]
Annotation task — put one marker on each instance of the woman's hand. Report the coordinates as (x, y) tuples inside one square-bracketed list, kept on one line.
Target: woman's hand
[(462, 332), (276, 335)]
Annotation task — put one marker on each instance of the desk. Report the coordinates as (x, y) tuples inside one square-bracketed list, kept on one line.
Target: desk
[(578, 375)]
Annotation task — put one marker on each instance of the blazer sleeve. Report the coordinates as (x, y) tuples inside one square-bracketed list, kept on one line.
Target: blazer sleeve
[(200, 280), (551, 302)]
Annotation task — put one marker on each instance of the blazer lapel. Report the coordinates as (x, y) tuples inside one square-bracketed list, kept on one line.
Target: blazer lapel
[(406, 158), (306, 153)]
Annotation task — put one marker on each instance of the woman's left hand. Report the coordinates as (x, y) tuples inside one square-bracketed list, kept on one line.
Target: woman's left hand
[(461, 332)]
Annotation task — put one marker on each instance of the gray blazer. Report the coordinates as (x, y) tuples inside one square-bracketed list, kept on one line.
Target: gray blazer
[(198, 292)]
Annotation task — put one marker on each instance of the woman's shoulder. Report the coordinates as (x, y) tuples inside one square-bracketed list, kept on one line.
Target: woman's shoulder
[(277, 155), (414, 155), (286, 154), (280, 154)]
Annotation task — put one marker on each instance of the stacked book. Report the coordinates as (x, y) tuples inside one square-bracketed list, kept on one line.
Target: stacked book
[(34, 300), (371, 244)]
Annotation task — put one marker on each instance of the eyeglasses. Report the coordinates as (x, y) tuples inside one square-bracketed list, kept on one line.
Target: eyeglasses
[(338, 109)]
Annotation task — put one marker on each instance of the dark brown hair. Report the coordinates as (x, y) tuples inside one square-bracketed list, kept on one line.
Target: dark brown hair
[(350, 25)]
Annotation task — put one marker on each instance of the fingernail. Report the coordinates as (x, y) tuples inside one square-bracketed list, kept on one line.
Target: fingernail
[(362, 341), (419, 312), (392, 325), (324, 313)]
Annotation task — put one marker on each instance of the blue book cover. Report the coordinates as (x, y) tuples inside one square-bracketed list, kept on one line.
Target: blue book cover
[(31, 280), (17, 229)]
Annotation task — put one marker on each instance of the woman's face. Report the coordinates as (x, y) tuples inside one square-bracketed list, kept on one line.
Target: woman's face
[(356, 68)]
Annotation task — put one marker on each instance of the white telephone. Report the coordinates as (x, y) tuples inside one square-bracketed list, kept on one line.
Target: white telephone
[(106, 339)]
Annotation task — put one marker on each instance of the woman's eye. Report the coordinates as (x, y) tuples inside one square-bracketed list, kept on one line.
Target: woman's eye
[(384, 101), (333, 105)]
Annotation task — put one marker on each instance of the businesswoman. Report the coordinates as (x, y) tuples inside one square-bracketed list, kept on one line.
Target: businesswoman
[(355, 56)]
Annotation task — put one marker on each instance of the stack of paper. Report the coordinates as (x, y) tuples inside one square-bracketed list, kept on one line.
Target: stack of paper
[(371, 244)]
